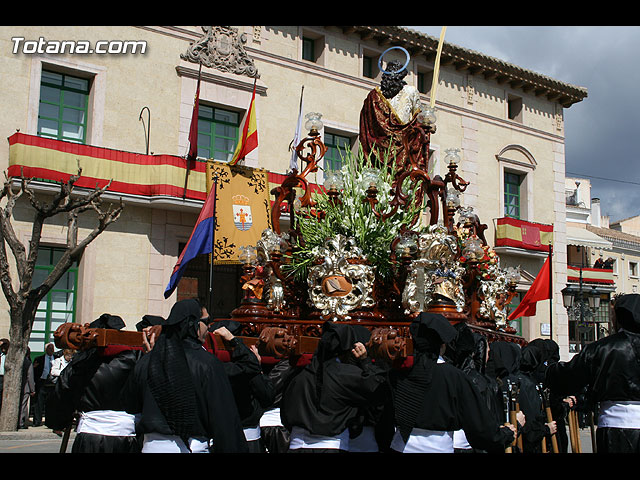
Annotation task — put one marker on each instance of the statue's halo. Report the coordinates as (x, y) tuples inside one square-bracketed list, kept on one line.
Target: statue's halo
[(394, 48)]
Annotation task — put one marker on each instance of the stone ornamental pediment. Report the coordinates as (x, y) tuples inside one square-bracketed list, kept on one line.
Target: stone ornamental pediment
[(222, 48)]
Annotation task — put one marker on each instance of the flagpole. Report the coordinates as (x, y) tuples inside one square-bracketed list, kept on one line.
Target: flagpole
[(550, 291), (213, 241)]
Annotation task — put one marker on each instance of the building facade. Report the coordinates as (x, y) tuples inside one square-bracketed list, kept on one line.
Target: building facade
[(602, 261), (126, 113)]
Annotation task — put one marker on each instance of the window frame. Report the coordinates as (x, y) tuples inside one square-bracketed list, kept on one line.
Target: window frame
[(317, 40), (60, 121), (48, 299), (633, 269), (335, 147), (213, 124), (308, 43), (508, 194), (515, 108), (516, 159)]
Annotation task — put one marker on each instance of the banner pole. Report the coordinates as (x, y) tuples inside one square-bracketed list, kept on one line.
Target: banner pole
[(550, 291), (213, 242)]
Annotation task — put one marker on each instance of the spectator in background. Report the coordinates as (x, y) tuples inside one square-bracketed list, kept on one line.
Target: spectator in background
[(28, 389), (41, 370), (60, 363), (4, 346)]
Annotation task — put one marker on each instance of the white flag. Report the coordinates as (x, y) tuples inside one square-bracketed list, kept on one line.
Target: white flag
[(293, 164)]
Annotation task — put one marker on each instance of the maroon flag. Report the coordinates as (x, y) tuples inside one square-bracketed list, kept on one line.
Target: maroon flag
[(193, 130), (193, 136)]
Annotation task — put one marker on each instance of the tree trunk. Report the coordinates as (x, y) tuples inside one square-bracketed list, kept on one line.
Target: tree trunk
[(12, 388)]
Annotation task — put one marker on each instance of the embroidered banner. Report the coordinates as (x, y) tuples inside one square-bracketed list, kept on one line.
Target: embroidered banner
[(242, 210)]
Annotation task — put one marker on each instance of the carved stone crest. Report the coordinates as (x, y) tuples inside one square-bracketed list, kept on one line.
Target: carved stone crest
[(222, 48)]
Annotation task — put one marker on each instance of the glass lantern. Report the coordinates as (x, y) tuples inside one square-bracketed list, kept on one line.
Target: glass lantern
[(512, 276), (453, 198), (467, 216), (452, 157), (407, 246), (370, 177), (248, 255), (428, 116), (333, 180), (313, 123), (473, 250)]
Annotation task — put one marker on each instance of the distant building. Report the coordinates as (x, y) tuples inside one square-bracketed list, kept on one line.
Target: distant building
[(607, 254)]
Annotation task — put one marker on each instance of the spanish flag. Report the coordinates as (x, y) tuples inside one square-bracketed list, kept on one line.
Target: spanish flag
[(249, 139)]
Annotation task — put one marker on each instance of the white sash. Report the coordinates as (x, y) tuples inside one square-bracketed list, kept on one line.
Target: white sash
[(108, 422), (271, 418), (158, 443), (619, 414), (301, 438), (424, 441), (460, 440), (252, 433)]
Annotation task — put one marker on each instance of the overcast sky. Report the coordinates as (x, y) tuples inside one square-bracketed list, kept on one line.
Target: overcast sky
[(603, 130)]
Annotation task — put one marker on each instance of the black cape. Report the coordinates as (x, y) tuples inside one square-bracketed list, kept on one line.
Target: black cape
[(181, 389), (610, 369), (216, 416), (328, 395), (504, 363), (93, 380)]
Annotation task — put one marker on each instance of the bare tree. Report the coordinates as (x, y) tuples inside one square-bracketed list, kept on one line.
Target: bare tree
[(24, 299)]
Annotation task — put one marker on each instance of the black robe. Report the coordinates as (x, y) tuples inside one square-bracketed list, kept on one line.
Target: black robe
[(329, 395), (504, 363), (346, 390), (451, 403), (93, 380), (216, 415), (610, 369), (253, 391), (537, 355)]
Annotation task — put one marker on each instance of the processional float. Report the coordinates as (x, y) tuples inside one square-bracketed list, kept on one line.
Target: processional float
[(384, 240)]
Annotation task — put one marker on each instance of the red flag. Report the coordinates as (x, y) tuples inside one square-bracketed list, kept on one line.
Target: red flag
[(193, 130), (540, 290)]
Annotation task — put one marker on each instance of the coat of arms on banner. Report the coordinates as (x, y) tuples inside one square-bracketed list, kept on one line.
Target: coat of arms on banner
[(242, 213)]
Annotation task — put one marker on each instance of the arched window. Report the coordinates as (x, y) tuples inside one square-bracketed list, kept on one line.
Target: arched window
[(516, 166)]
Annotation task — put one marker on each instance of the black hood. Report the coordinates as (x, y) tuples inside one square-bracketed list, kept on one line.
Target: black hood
[(504, 359)]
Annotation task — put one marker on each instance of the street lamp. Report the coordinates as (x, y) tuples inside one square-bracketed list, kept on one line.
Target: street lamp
[(581, 306)]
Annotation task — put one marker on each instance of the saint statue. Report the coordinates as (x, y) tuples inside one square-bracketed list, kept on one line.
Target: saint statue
[(390, 120)]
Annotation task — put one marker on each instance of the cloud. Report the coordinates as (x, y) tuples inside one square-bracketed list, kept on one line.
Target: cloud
[(600, 131)]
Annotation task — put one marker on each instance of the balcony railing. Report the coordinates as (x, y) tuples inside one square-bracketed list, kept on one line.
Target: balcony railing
[(130, 173), (591, 276), (511, 232)]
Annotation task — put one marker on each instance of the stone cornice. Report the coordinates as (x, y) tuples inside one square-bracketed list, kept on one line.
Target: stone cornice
[(475, 63)]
